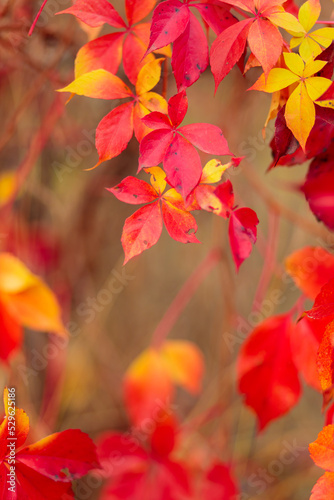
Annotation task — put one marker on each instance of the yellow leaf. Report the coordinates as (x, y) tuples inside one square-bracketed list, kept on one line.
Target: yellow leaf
[(158, 178), (14, 276), (154, 102), (313, 67), (324, 36), (213, 171), (7, 186), (316, 86), (149, 76), (294, 62), (184, 364), (99, 84), (278, 78), (309, 49), (286, 21), (296, 40), (309, 13), (300, 114)]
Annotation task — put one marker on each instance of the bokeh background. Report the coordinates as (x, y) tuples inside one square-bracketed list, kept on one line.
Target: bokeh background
[(66, 227)]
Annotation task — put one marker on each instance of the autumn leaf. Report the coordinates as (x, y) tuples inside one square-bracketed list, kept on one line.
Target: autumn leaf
[(142, 230), (24, 301), (242, 233), (117, 127), (129, 43), (173, 22), (148, 468), (311, 268), (40, 467), (267, 374), (318, 187), (174, 146), (299, 110), (261, 32), (306, 337), (311, 43), (149, 381)]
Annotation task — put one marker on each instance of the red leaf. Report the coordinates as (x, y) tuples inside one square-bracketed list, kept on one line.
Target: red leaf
[(182, 165), (136, 10), (95, 13), (319, 191), (323, 306), (219, 484), (206, 137), (224, 193), (32, 485), (11, 334), (242, 233), (134, 50), (157, 120), (71, 449), (180, 224), (227, 49), (169, 20), (218, 18), (141, 230), (104, 52), (305, 341), (190, 54), (178, 107), (153, 147), (114, 132), (265, 42), (267, 374), (134, 191)]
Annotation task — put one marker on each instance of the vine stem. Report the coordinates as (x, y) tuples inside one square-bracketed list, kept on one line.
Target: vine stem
[(182, 298), (36, 18)]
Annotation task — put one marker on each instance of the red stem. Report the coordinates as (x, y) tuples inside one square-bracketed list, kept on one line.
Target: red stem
[(182, 298), (36, 18)]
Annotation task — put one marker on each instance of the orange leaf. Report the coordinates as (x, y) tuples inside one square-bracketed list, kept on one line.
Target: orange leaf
[(322, 449), (311, 268), (150, 379), (324, 488), (28, 301)]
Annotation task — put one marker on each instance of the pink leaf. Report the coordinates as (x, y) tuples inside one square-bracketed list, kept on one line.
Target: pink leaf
[(218, 18), (95, 13), (177, 108), (157, 120), (190, 54), (169, 20), (242, 233), (182, 165), (153, 147), (206, 137), (134, 191)]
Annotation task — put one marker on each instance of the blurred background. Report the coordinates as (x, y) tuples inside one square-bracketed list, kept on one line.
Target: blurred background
[(60, 220)]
